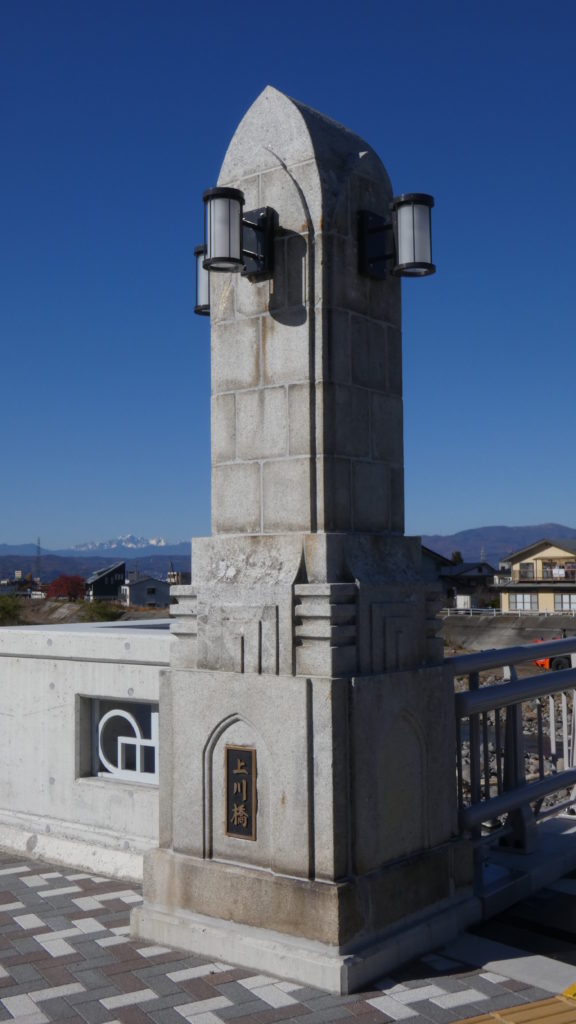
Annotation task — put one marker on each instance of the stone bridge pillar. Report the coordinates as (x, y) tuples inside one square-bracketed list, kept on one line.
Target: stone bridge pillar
[(308, 806)]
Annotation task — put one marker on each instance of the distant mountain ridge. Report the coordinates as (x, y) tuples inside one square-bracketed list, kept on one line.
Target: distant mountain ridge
[(128, 546), (153, 556), (495, 543)]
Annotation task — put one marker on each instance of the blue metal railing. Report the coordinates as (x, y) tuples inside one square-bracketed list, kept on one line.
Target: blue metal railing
[(504, 727)]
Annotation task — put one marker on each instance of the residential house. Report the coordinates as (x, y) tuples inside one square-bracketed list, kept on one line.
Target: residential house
[(465, 584), (541, 578), (470, 584), (145, 591), (432, 565), (105, 584)]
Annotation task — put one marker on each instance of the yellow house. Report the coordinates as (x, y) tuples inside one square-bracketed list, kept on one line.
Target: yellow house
[(542, 578)]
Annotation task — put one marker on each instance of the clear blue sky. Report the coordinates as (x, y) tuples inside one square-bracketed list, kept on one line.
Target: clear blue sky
[(116, 114)]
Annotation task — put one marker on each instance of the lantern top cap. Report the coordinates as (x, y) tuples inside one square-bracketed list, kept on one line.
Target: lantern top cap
[(421, 198), (223, 193)]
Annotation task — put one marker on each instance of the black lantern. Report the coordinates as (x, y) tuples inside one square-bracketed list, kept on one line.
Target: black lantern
[(413, 233), (237, 241), (223, 228), (399, 242), (202, 304)]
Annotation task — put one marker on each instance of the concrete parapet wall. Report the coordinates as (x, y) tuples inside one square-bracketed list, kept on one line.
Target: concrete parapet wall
[(49, 806), (485, 632)]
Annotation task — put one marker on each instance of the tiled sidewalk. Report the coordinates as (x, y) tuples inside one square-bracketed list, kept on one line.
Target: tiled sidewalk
[(66, 956)]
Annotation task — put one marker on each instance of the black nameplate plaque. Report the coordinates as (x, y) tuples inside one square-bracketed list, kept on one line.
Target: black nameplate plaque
[(241, 792)]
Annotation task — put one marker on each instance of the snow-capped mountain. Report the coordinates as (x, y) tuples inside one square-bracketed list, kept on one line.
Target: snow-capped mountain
[(127, 546), (128, 541), (117, 548)]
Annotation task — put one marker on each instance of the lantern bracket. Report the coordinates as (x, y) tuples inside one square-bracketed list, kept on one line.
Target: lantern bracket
[(258, 242), (376, 247)]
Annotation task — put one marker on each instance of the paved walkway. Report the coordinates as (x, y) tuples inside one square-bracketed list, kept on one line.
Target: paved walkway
[(66, 956)]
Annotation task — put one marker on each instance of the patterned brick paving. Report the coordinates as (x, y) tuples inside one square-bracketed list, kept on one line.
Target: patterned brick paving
[(66, 956)]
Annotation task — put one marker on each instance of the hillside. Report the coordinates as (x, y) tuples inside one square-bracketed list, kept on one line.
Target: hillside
[(494, 543), (60, 613)]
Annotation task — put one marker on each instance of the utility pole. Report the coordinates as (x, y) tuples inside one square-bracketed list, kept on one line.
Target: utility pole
[(38, 559)]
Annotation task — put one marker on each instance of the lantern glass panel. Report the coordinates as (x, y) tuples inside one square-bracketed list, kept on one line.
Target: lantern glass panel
[(224, 232), (405, 235), (414, 237), (422, 243), (202, 280)]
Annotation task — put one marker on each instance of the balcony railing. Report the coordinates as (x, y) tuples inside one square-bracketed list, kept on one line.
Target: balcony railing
[(544, 576), (516, 744)]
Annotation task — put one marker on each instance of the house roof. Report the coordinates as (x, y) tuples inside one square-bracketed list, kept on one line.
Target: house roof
[(436, 556), (469, 569), (565, 544), (144, 579), (104, 572)]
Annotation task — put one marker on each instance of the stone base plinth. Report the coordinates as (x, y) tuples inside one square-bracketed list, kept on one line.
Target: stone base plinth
[(302, 960), (313, 932)]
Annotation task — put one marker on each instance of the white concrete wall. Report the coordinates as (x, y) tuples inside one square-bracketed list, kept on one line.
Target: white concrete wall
[(49, 806)]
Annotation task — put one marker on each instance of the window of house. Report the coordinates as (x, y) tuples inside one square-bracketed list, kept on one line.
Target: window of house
[(565, 602), (553, 570), (526, 570), (523, 602), (150, 590)]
